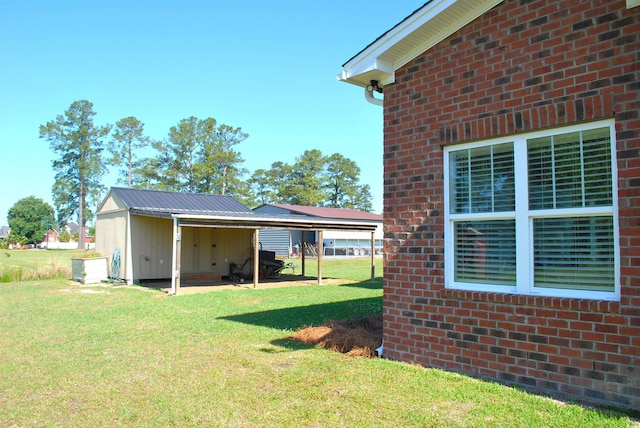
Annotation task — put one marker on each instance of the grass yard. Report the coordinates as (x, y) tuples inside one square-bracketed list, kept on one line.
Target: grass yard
[(74, 355), (25, 265), (353, 269)]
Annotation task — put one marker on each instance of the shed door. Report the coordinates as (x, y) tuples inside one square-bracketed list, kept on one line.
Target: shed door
[(198, 250), (203, 250)]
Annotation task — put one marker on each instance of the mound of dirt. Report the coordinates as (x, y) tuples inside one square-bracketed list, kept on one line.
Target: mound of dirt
[(355, 337)]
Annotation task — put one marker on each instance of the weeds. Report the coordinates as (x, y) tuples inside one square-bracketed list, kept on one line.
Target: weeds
[(17, 274)]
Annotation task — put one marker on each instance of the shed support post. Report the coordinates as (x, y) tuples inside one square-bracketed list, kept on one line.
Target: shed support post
[(175, 257), (256, 257), (303, 255), (373, 256), (320, 251)]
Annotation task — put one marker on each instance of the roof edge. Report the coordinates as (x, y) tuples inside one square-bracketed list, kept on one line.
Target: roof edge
[(380, 59), (326, 212)]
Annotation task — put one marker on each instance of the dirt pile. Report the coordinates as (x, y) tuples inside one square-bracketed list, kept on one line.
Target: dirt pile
[(355, 337)]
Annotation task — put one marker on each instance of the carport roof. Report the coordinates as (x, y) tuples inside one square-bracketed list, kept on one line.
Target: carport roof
[(204, 210), (327, 212), (275, 222), (162, 202)]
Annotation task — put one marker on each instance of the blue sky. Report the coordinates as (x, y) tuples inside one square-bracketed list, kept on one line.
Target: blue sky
[(267, 66)]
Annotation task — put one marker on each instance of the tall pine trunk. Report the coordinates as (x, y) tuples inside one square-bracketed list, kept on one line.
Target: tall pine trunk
[(81, 233)]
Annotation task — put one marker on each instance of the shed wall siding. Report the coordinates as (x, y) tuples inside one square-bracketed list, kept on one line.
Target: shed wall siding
[(151, 247), (112, 203), (278, 240), (232, 246), (522, 66), (111, 233), (211, 250)]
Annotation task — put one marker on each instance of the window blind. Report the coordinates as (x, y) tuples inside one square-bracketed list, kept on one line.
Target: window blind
[(574, 252), (485, 252), (482, 179)]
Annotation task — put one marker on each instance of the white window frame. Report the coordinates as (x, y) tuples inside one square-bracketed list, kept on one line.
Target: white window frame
[(524, 219)]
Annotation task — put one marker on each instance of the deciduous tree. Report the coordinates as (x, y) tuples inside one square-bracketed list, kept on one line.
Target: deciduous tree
[(30, 218)]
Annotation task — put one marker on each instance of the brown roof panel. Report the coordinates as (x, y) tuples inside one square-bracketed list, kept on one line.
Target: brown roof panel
[(324, 212)]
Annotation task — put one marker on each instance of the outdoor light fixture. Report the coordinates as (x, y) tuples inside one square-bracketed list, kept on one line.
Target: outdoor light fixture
[(373, 86)]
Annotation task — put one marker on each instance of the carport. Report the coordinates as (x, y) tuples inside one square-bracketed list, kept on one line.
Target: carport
[(255, 223), (159, 235)]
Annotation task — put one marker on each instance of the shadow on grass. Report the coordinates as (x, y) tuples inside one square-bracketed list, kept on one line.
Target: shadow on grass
[(287, 344), (296, 317), (377, 284)]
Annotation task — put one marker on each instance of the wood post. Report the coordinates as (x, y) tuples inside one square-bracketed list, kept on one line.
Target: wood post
[(373, 256), (303, 255), (320, 251), (256, 257), (175, 259)]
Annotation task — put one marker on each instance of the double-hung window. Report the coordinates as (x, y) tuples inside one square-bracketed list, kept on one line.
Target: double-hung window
[(534, 214)]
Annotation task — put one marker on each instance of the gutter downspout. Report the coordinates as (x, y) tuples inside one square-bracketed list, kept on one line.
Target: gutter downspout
[(368, 94)]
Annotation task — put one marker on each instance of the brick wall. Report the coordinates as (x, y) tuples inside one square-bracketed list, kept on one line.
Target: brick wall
[(523, 66)]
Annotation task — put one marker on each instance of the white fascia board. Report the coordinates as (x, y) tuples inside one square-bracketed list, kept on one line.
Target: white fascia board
[(632, 3), (303, 220), (373, 68), (384, 56)]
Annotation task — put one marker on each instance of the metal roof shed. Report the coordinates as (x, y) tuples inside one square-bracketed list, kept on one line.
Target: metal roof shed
[(149, 227)]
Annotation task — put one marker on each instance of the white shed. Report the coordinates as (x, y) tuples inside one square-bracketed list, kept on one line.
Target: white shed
[(139, 224)]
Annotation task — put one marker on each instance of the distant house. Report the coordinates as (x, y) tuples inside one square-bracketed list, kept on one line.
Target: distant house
[(512, 191), (335, 243), (4, 232), (157, 235), (50, 238)]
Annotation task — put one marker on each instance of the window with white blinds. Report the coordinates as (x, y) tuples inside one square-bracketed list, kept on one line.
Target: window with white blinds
[(534, 215), (485, 252)]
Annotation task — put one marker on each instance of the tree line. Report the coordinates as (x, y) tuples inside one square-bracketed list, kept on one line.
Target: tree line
[(198, 155)]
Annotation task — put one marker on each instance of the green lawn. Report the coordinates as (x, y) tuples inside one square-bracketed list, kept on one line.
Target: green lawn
[(21, 265), (73, 355), (353, 269)]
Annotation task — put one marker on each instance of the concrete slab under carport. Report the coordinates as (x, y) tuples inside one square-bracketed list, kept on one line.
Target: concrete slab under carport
[(207, 287)]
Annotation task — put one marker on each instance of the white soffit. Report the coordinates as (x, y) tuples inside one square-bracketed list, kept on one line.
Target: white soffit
[(632, 3), (426, 27)]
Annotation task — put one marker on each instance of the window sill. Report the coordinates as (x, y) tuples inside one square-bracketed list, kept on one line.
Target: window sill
[(561, 303)]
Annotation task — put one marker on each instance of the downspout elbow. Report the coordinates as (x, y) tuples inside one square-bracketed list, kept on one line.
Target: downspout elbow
[(368, 93), (370, 98)]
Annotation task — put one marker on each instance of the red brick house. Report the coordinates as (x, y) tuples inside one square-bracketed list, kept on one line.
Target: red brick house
[(512, 191), (50, 237)]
